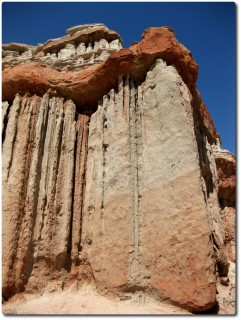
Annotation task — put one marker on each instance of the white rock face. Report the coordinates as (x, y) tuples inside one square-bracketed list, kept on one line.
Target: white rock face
[(81, 48), (10, 54), (71, 55), (67, 52), (26, 55), (102, 44), (103, 56), (82, 27), (115, 44)]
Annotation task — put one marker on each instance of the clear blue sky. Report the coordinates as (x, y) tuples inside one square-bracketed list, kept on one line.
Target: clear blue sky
[(208, 30)]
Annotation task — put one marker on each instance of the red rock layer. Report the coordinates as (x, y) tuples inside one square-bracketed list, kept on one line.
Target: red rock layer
[(226, 169), (86, 87)]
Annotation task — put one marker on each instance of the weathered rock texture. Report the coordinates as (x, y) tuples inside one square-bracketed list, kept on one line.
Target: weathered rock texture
[(112, 172)]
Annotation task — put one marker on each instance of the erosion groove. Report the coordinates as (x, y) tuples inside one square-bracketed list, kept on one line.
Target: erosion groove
[(114, 179), (135, 167)]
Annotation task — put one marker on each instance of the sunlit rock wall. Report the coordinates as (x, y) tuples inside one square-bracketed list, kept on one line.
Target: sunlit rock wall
[(132, 193)]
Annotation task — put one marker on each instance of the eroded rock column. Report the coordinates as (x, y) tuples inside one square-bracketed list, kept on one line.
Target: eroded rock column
[(15, 168), (44, 155), (107, 230), (176, 248), (145, 223)]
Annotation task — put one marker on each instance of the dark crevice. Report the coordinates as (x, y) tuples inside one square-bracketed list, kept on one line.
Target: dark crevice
[(53, 209), (4, 298), (86, 110), (59, 151), (135, 176), (5, 122), (133, 288), (69, 247), (202, 152), (14, 140), (213, 310), (215, 242), (206, 173), (222, 264), (207, 189), (104, 149), (84, 180), (62, 261)]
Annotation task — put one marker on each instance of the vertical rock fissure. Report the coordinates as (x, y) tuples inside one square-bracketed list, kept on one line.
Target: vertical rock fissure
[(71, 243), (104, 151), (135, 166), (139, 152), (126, 98), (83, 155), (64, 189), (5, 113), (209, 187), (75, 224), (214, 212), (57, 167), (70, 248), (79, 185), (11, 132)]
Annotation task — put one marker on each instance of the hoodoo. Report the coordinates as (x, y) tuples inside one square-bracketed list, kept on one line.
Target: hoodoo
[(113, 177)]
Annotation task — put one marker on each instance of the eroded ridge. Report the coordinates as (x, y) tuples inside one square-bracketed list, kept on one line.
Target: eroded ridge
[(83, 46)]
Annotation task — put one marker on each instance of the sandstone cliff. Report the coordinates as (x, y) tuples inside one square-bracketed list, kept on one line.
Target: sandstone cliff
[(113, 174)]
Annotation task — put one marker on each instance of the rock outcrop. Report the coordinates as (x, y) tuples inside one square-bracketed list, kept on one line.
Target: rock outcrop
[(113, 174)]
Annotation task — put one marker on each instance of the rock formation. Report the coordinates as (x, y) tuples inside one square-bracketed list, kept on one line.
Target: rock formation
[(113, 173)]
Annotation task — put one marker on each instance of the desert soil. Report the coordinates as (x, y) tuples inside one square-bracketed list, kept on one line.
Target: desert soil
[(85, 301)]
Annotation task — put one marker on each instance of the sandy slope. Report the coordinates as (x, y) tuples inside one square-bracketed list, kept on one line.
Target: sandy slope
[(85, 301)]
